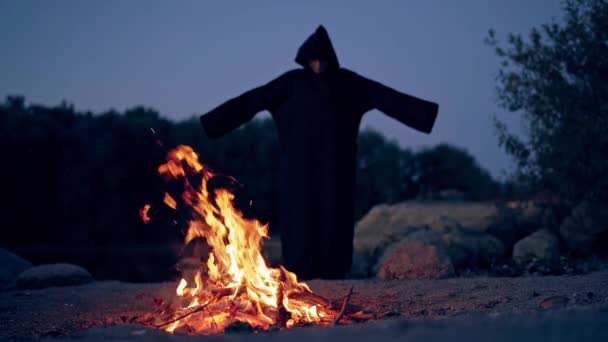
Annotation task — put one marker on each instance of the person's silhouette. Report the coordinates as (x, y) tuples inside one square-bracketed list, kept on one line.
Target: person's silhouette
[(317, 110)]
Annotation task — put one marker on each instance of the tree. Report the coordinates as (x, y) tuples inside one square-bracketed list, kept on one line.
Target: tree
[(75, 181), (444, 167), (558, 80), (383, 172)]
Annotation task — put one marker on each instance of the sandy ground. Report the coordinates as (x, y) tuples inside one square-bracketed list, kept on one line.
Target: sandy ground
[(552, 301)]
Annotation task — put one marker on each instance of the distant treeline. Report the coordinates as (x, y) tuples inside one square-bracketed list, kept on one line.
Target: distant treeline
[(79, 178)]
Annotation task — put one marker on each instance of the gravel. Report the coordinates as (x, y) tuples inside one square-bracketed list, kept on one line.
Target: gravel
[(455, 303)]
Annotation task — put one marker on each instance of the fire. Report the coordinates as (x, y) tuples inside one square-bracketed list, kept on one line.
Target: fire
[(170, 201), (235, 283), (143, 212)]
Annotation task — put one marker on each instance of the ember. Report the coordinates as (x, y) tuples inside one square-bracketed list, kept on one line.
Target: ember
[(144, 213), (235, 284)]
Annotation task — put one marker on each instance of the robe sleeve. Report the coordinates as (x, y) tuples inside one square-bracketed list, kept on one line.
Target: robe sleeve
[(241, 109), (409, 110)]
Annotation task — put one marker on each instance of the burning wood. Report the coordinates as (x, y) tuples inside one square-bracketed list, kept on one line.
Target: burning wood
[(235, 284), (343, 310)]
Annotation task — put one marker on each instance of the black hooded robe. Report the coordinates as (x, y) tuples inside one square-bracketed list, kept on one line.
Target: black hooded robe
[(317, 118)]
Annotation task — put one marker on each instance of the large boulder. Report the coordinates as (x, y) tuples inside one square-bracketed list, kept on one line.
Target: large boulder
[(11, 265), (541, 245), (585, 227), (471, 249), (373, 234), (415, 259), (472, 215), (53, 275), (461, 225), (513, 221), (423, 235)]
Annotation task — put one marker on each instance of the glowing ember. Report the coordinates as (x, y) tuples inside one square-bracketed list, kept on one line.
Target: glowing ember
[(169, 201), (235, 284), (143, 212)]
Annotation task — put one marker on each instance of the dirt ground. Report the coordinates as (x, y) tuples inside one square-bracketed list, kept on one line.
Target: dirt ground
[(69, 311)]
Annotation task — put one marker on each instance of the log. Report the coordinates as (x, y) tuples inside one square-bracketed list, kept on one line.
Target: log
[(344, 305), (309, 297), (197, 309)]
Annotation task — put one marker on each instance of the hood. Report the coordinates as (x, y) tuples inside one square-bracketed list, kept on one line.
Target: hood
[(318, 46)]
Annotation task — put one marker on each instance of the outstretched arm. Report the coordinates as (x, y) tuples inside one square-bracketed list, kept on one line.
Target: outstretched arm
[(409, 110), (239, 110)]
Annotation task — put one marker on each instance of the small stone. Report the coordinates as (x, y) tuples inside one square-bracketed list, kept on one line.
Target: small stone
[(391, 313), (53, 275), (11, 265), (553, 302)]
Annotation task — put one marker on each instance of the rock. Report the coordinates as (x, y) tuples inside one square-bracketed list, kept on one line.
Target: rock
[(540, 267), (553, 302), (385, 225), (581, 231), (423, 235), (541, 245), (471, 249), (472, 215), (513, 223), (412, 259), (427, 236), (53, 275), (378, 229), (583, 298), (11, 265), (373, 234), (505, 269)]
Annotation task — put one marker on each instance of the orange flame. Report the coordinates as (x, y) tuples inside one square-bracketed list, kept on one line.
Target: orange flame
[(143, 213), (235, 284), (169, 201)]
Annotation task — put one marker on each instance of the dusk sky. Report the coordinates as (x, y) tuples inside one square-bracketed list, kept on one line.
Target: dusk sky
[(185, 57)]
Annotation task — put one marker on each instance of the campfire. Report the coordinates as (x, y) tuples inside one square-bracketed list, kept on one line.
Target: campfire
[(235, 285)]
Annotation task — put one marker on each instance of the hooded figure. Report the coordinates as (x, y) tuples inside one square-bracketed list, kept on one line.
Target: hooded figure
[(317, 114)]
